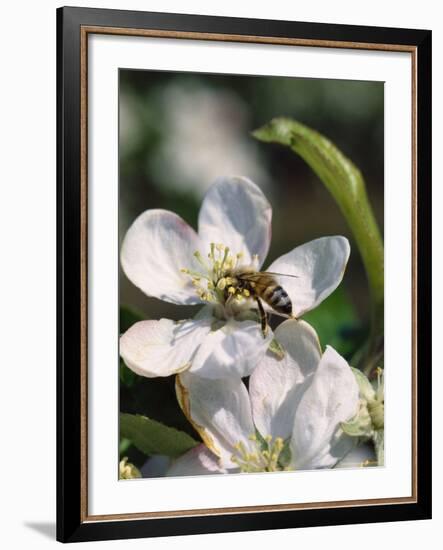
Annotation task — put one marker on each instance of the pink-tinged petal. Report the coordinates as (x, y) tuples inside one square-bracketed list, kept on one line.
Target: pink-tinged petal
[(276, 385), (197, 461), (162, 348), (237, 214), (219, 410), (331, 398), (235, 349), (156, 246), (318, 267)]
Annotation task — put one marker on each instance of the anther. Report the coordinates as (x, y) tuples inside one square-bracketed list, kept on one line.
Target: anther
[(221, 285)]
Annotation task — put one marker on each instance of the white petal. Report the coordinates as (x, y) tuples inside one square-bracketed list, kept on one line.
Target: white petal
[(358, 456), (276, 385), (328, 457), (319, 266), (155, 466), (156, 246), (237, 214), (233, 350), (331, 398), (219, 410), (197, 461), (162, 348)]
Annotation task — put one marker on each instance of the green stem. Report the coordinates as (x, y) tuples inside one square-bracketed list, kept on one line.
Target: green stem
[(346, 184)]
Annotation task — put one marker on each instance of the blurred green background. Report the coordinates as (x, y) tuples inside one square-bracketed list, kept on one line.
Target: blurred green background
[(179, 131)]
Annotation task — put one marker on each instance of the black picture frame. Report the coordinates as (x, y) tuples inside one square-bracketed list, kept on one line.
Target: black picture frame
[(72, 524)]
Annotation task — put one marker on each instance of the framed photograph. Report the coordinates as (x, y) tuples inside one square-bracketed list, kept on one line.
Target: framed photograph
[(244, 274)]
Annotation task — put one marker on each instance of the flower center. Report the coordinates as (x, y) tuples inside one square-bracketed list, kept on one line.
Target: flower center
[(267, 455), (216, 282)]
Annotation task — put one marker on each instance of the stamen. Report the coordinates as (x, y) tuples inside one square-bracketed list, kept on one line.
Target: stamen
[(221, 285), (224, 258), (200, 260), (211, 254), (263, 458)]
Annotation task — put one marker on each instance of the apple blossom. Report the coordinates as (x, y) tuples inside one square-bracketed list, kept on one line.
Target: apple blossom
[(289, 419), (164, 257)]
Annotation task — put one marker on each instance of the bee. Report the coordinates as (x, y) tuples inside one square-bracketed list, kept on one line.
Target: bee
[(260, 285)]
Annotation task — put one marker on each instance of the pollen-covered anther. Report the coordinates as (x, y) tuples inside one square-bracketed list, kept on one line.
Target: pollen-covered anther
[(215, 270), (221, 284), (263, 458), (246, 293)]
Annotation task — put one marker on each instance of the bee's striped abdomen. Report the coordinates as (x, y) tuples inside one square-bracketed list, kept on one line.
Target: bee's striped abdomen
[(278, 299)]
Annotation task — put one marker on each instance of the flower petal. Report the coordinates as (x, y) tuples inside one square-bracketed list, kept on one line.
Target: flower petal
[(197, 461), (276, 386), (358, 457), (162, 348), (331, 398), (237, 214), (233, 350), (319, 266), (156, 246), (219, 410), (156, 466)]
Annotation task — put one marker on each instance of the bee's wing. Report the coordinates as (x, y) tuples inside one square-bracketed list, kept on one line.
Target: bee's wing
[(262, 279), (279, 274)]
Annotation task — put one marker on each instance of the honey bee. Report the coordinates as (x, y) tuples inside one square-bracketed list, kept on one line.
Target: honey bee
[(260, 285)]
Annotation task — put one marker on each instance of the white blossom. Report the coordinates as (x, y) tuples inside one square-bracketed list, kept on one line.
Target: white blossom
[(167, 259), (289, 419)]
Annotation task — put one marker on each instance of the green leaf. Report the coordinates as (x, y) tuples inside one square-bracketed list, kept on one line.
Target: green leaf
[(152, 437), (124, 445), (345, 183)]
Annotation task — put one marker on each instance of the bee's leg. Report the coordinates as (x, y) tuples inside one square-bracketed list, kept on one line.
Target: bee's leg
[(263, 317)]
